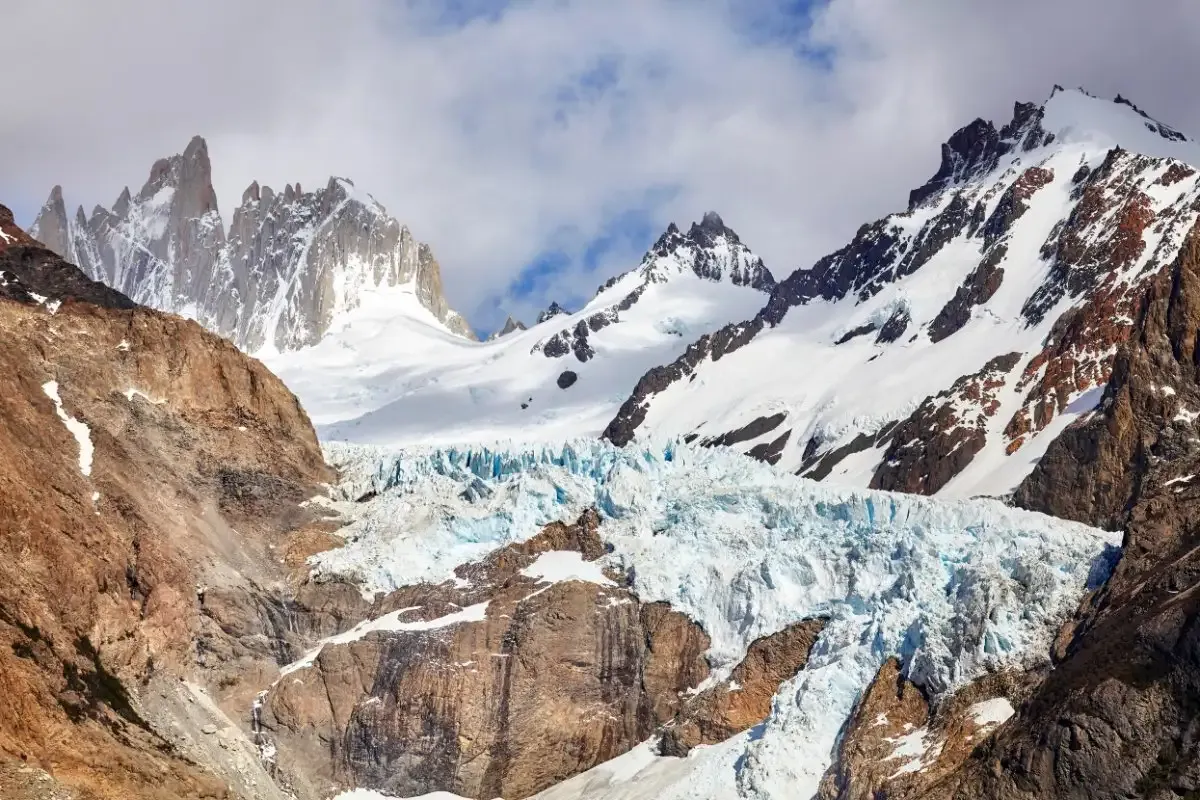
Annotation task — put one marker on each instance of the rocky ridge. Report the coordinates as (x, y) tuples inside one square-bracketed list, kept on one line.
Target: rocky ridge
[(709, 250), (992, 308), (289, 264)]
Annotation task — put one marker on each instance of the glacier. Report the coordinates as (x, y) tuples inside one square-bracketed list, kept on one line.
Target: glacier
[(953, 588)]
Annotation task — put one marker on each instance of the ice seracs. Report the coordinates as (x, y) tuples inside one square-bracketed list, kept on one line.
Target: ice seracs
[(953, 588)]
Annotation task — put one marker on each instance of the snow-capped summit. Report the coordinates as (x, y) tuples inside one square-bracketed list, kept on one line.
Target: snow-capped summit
[(710, 250), (946, 346), (291, 265), (553, 310)]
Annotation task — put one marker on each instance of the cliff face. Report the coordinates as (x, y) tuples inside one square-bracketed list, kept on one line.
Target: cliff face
[(1115, 718), (531, 668), (141, 460), (291, 263)]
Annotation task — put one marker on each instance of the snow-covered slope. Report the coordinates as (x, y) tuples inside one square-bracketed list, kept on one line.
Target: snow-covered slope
[(382, 376), (953, 588), (947, 345), (290, 267)]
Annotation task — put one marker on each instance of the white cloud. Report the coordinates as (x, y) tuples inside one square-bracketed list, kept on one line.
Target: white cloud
[(471, 134)]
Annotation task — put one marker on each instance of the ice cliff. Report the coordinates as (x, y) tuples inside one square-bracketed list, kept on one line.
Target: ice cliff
[(953, 588)]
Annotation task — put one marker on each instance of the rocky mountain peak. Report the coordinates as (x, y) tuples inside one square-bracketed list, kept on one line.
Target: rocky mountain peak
[(252, 194), (510, 326), (554, 310), (710, 249), (124, 199), (52, 226), (286, 267), (977, 149)]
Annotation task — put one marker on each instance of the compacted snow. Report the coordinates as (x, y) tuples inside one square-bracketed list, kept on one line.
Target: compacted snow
[(389, 373), (951, 587)]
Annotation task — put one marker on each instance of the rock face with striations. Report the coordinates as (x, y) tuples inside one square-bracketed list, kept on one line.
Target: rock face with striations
[(290, 263), (511, 681), (142, 460)]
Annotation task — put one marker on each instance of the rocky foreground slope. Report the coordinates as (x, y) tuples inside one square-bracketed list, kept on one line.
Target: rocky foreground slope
[(142, 459)]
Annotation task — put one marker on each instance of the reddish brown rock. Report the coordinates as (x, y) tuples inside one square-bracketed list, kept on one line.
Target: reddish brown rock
[(896, 745), (1094, 255), (744, 700), (549, 681), (200, 460), (943, 435)]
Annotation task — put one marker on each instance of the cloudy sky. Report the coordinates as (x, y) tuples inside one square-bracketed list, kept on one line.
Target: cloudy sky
[(541, 146)]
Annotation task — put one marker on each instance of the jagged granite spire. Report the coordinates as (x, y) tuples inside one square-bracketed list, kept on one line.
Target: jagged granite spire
[(52, 228), (510, 326), (290, 264)]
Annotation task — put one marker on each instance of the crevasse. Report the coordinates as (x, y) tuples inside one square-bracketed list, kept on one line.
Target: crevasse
[(951, 587)]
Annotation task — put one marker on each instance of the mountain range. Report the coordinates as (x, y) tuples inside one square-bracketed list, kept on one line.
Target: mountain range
[(669, 545), (287, 268), (938, 352)]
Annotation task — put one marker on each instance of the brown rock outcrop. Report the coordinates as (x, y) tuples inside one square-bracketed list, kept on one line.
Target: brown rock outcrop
[(896, 745), (141, 458), (942, 436), (532, 682), (744, 700)]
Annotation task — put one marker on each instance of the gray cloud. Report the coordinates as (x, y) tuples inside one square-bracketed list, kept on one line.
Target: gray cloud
[(527, 130)]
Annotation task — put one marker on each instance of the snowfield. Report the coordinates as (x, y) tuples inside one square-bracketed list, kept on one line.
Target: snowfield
[(388, 373), (834, 392), (951, 587)]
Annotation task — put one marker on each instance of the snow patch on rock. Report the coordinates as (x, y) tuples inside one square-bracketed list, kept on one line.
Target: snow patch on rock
[(992, 712), (389, 623), (78, 429), (557, 566)]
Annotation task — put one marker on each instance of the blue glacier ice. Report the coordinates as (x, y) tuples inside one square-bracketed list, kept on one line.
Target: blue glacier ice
[(953, 588)]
